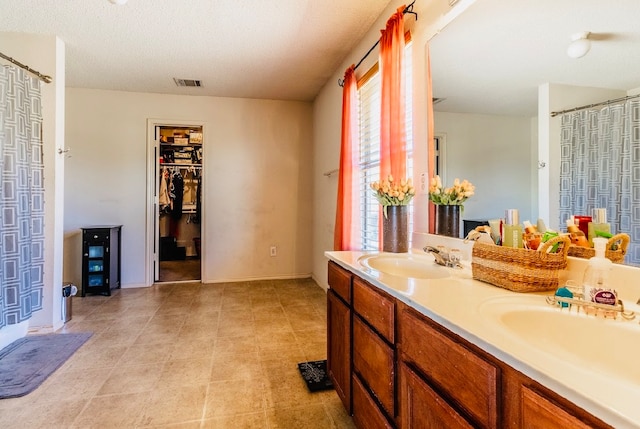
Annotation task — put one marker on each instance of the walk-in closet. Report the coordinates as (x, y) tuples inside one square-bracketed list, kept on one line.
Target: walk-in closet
[(179, 203)]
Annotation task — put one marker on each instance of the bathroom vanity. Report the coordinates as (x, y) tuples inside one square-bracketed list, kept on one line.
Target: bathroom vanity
[(420, 353)]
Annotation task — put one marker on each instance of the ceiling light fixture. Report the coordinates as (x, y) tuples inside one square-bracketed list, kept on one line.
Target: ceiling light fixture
[(120, 2), (580, 45)]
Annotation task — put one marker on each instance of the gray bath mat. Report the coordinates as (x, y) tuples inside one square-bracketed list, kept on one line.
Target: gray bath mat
[(27, 362)]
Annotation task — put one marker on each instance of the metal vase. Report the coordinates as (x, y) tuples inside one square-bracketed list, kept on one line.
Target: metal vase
[(448, 220), (395, 235)]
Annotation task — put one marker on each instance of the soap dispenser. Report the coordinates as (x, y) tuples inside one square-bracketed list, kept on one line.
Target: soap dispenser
[(596, 286)]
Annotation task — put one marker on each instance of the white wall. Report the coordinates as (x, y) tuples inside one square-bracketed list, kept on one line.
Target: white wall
[(47, 55), (256, 181), (494, 153)]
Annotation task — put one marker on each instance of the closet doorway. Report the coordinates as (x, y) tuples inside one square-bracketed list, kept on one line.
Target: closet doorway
[(177, 201)]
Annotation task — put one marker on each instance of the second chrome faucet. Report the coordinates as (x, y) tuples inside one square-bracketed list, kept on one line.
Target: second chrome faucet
[(443, 257)]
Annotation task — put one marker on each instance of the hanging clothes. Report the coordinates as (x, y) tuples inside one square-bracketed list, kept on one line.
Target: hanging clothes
[(163, 199), (177, 183), (196, 218)]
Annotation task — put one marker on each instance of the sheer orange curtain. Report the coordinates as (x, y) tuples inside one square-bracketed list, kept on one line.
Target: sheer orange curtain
[(344, 237), (430, 142), (393, 143), (393, 154)]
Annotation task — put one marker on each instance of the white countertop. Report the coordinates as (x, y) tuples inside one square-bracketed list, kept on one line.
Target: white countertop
[(453, 302)]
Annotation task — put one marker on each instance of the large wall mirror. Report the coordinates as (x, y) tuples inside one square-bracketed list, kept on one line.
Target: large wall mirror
[(499, 69)]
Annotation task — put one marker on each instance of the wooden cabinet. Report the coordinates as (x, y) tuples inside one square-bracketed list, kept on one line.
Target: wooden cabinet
[(339, 332), (465, 378), (101, 267), (422, 408), (395, 367)]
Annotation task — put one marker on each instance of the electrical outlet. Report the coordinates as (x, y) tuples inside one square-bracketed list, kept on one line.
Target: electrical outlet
[(424, 184), (273, 251)]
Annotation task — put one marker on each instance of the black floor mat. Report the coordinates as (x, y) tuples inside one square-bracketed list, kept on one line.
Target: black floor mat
[(315, 375)]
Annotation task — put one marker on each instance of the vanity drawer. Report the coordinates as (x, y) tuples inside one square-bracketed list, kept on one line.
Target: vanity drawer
[(376, 307), (466, 378), (374, 361), (340, 281)]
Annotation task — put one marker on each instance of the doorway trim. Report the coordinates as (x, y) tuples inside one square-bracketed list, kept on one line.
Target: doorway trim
[(152, 250)]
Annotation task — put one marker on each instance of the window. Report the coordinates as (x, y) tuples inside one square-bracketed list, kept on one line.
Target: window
[(369, 154)]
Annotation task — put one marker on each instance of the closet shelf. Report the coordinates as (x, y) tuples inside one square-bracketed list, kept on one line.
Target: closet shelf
[(166, 164)]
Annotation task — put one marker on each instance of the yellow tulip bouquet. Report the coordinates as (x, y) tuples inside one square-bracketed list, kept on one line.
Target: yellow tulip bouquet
[(452, 196), (390, 192)]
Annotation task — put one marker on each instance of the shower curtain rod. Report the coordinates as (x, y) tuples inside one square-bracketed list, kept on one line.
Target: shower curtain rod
[(588, 106), (408, 9), (43, 77)]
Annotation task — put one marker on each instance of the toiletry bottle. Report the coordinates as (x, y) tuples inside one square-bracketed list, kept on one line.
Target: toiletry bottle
[(599, 224), (596, 286), (532, 237), (583, 223), (512, 236), (577, 237)]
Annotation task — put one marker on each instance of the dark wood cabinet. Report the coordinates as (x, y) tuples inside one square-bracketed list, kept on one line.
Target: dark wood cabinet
[(101, 266), (339, 333), (422, 408), (395, 367)]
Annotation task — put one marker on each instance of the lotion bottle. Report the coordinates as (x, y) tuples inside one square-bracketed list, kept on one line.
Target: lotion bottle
[(577, 237), (599, 224), (596, 285), (512, 230)]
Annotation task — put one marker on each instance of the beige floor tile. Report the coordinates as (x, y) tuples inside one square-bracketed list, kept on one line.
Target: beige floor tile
[(240, 367), (309, 416), (234, 397), (235, 345), (115, 411), (243, 421), (131, 379), (190, 356), (185, 372), (174, 405)]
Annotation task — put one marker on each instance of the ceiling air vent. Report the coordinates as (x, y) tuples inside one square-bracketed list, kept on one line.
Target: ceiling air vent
[(437, 100), (187, 82)]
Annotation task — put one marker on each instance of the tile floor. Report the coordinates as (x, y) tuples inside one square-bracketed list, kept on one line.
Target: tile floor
[(189, 355)]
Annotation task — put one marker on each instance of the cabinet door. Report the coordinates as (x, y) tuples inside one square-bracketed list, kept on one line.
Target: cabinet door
[(539, 412), (366, 414), (422, 408), (339, 347), (374, 361)]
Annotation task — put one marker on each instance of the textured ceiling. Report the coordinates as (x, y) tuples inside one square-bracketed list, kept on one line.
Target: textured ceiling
[(273, 49), (492, 57)]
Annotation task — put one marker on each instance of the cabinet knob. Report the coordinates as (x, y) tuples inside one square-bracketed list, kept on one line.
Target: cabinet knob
[(95, 236), (86, 254)]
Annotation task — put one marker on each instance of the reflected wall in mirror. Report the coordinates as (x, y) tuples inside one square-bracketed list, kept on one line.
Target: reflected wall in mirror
[(499, 70)]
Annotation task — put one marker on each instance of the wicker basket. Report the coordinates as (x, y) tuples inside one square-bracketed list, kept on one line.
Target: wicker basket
[(520, 270), (616, 256)]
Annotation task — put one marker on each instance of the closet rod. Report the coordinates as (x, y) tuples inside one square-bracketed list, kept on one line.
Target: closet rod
[(166, 164), (408, 9), (588, 106), (42, 77)]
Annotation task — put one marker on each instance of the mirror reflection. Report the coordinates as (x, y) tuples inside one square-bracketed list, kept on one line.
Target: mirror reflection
[(499, 69)]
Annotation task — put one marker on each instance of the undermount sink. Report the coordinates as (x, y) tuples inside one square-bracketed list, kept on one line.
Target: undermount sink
[(603, 345), (405, 265)]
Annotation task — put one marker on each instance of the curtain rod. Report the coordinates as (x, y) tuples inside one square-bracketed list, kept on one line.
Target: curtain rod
[(408, 9), (588, 106), (42, 77)]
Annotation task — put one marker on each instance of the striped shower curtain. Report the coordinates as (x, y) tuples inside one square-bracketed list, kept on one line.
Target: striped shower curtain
[(600, 168), (21, 196)]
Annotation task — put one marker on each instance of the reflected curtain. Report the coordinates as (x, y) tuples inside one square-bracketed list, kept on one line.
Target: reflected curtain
[(345, 233), (21, 197), (600, 162), (431, 150)]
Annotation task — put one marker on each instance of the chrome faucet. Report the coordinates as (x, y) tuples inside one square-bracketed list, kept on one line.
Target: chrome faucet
[(443, 258)]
